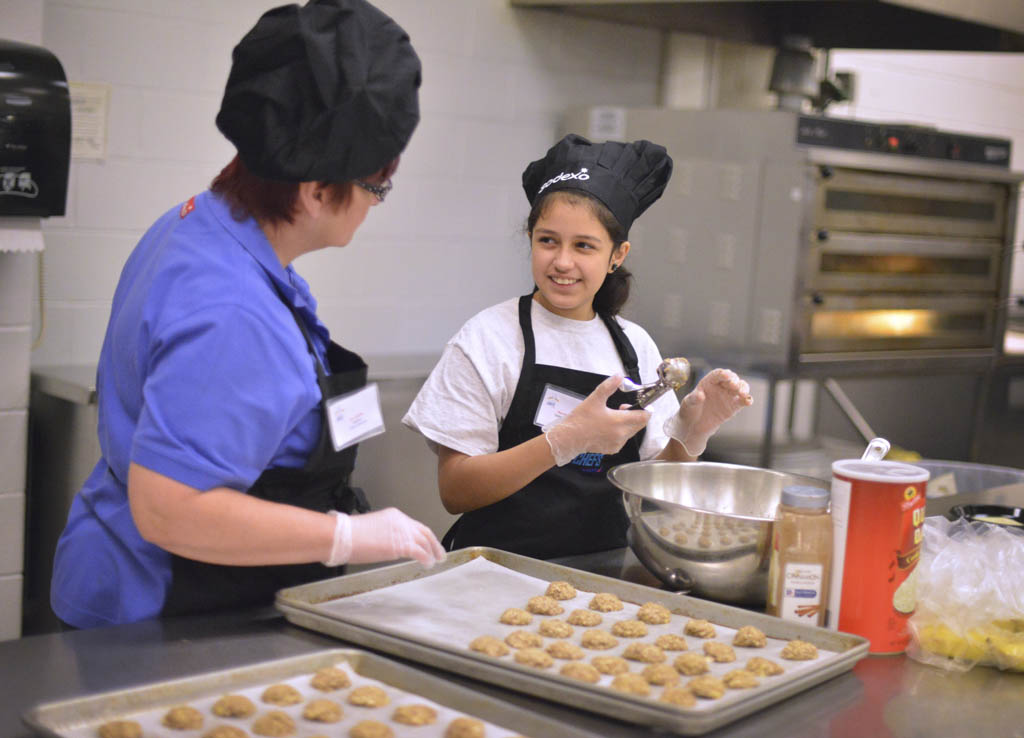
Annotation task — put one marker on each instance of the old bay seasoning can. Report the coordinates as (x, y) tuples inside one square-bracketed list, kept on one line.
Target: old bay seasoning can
[(877, 518)]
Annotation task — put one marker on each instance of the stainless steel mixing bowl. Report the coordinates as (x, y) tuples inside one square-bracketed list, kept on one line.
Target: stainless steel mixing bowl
[(702, 527)]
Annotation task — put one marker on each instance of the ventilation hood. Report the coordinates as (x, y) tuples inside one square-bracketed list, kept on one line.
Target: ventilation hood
[(938, 25)]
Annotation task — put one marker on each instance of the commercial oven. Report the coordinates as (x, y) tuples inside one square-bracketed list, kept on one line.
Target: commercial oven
[(797, 245)]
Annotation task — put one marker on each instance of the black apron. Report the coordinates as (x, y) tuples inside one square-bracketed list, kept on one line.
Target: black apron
[(321, 485), (571, 509)]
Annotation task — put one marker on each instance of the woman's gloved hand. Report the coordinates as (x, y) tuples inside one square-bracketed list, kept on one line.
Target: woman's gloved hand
[(593, 427), (382, 535), (718, 396)]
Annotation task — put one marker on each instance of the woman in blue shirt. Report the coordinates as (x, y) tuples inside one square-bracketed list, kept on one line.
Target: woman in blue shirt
[(219, 481)]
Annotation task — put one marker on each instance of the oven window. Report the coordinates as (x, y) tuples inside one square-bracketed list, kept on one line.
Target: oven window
[(893, 323), (903, 264), (889, 204)]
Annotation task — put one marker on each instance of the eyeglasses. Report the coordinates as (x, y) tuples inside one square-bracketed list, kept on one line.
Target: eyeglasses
[(379, 191)]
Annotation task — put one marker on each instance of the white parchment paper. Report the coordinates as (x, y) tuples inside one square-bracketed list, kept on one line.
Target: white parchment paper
[(451, 608)]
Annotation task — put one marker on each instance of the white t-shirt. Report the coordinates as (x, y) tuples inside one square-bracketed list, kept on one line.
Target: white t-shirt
[(467, 396)]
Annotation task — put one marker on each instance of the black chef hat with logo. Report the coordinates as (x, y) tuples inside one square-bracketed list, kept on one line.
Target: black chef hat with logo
[(626, 177), (328, 91)]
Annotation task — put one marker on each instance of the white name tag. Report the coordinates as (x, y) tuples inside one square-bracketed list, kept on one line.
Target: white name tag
[(555, 404), (355, 416)]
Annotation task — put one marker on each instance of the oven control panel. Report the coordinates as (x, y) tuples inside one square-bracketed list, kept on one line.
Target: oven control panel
[(902, 140)]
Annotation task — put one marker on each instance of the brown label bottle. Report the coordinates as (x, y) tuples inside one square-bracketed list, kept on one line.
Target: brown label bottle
[(801, 556)]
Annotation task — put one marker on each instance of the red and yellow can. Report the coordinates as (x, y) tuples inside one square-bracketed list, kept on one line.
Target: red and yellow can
[(877, 518)]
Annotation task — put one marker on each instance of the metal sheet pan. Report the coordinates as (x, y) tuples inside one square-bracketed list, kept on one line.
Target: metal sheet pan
[(309, 606), (83, 715)]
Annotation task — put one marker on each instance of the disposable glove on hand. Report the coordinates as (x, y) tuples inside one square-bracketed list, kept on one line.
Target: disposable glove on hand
[(382, 535), (593, 427), (718, 396)]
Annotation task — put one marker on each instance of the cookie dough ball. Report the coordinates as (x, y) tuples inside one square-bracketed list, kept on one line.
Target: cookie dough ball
[(565, 650), (660, 674), (371, 729), (631, 684), (671, 642), (535, 657), (183, 717), (708, 687), (464, 727), (524, 639), (797, 650), (691, 663), (750, 637), (561, 591), (120, 729), (653, 613), (605, 602), (681, 539), (763, 667), (740, 679), (368, 696), (516, 616), (274, 723), (679, 696), (489, 646), (226, 731), (629, 629), (415, 715), (647, 653), (322, 711), (544, 605), (330, 678), (704, 541), (281, 694), (555, 628), (581, 672), (598, 640), (720, 652), (233, 705), (610, 664), (699, 629), (586, 618)]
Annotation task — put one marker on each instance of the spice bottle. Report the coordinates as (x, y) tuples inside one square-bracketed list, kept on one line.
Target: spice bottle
[(801, 556)]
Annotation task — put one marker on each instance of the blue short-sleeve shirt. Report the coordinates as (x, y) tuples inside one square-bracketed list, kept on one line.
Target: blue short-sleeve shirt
[(204, 377)]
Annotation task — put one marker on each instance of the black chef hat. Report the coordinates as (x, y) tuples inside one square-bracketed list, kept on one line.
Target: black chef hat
[(323, 92), (626, 177)]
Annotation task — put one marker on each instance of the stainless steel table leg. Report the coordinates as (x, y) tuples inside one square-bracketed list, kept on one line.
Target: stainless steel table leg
[(769, 425)]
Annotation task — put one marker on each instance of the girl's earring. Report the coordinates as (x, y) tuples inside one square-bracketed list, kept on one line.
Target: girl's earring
[(614, 267)]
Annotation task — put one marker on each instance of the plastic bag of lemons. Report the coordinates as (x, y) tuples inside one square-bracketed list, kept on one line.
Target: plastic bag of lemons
[(970, 597)]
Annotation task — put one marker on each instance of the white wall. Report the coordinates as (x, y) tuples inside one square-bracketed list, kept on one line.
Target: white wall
[(446, 243)]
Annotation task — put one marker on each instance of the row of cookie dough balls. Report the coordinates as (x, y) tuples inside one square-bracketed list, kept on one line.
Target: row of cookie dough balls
[(279, 723), (657, 673), (529, 650)]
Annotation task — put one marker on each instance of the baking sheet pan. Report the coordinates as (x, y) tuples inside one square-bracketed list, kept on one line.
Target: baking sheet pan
[(146, 704), (412, 612)]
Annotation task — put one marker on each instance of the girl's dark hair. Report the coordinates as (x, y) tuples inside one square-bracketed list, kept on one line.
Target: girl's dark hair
[(272, 201), (614, 292)]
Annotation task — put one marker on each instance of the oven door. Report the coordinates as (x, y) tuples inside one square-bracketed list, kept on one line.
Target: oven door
[(840, 323), (882, 202), (862, 262)]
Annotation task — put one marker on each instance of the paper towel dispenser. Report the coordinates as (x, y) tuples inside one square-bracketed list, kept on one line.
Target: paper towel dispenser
[(35, 131)]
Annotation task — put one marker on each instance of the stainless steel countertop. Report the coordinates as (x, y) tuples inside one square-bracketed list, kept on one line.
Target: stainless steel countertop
[(882, 696)]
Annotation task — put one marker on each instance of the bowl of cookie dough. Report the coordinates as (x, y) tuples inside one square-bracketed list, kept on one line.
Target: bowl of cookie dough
[(705, 528)]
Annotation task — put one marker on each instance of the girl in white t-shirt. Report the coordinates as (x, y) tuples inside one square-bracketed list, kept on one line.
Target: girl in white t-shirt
[(523, 407)]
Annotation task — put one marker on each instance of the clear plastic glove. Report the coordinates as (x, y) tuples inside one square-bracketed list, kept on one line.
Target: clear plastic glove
[(593, 427), (382, 535), (718, 396)]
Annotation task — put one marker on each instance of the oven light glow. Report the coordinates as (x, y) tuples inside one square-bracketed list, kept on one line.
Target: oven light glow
[(873, 323)]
